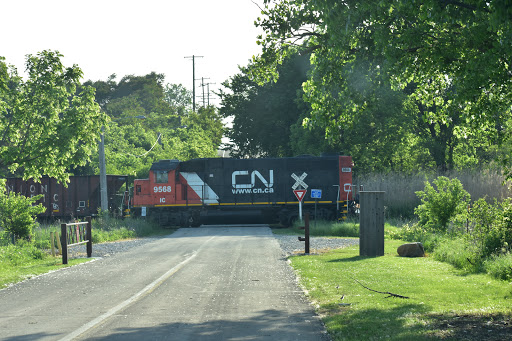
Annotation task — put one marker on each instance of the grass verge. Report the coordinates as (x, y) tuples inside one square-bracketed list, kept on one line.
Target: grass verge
[(14, 272), (25, 260), (443, 303)]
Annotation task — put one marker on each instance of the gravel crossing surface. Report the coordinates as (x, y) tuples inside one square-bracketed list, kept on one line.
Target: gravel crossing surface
[(289, 244)]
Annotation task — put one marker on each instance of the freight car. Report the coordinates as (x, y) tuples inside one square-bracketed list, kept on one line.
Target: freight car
[(80, 198), (224, 190)]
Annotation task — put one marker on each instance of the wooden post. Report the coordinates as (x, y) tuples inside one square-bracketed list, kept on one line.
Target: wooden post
[(306, 234), (371, 224), (89, 237), (64, 242), (59, 244), (52, 242)]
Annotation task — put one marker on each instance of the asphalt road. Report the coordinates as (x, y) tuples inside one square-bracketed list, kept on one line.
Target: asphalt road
[(208, 283)]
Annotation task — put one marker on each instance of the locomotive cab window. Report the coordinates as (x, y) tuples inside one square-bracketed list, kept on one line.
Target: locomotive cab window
[(161, 177)]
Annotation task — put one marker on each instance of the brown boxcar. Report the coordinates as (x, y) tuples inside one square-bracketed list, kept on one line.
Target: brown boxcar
[(80, 198)]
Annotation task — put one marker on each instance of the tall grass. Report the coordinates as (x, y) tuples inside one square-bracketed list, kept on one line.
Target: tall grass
[(400, 198)]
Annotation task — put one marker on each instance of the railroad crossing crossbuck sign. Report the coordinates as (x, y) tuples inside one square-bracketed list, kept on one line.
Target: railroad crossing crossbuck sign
[(299, 181)]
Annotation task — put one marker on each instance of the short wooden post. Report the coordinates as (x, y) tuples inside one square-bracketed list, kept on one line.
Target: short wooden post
[(89, 236), (52, 242), (64, 242), (59, 244), (371, 224), (306, 234)]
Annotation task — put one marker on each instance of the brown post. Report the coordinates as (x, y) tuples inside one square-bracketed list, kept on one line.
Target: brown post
[(59, 244), (64, 242), (89, 236), (52, 242), (371, 224), (306, 233)]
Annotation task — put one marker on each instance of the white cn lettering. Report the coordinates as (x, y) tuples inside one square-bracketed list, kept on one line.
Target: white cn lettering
[(233, 179), (255, 174)]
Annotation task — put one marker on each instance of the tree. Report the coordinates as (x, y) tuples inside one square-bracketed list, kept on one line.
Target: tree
[(152, 121), (451, 58), (49, 123), (263, 115), (179, 98)]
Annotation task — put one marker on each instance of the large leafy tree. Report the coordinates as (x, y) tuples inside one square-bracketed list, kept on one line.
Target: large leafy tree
[(451, 58), (49, 123), (265, 116)]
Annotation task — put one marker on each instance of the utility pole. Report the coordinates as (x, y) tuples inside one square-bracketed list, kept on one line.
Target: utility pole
[(208, 91), (203, 85), (103, 174), (194, 80)]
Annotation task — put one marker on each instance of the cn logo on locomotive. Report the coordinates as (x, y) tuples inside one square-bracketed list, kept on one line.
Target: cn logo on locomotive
[(241, 188)]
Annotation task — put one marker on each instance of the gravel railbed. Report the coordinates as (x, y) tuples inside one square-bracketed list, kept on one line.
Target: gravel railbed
[(289, 244), (109, 248)]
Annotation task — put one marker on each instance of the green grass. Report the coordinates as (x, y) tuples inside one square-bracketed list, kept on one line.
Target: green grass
[(25, 260), (20, 262), (437, 293)]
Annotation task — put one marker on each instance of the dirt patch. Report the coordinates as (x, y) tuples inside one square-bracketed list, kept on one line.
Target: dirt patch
[(472, 327)]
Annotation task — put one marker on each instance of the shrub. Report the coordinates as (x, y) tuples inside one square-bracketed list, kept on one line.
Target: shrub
[(445, 203), (500, 266), (490, 226), (416, 233), (17, 213), (458, 252)]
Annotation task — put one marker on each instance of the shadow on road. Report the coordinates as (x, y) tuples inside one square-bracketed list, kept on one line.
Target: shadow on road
[(268, 325)]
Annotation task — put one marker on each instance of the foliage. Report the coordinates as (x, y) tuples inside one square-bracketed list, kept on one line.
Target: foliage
[(19, 253), (442, 204), (264, 116), (500, 266), (18, 213), (449, 59), (47, 117), (152, 121), (458, 252), (179, 98), (479, 242)]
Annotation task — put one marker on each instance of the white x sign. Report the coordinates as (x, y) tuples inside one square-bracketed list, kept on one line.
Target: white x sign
[(299, 181)]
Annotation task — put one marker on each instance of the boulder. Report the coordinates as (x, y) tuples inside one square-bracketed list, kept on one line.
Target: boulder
[(411, 250)]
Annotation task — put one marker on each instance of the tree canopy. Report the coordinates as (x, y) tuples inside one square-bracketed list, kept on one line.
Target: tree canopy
[(151, 120), (435, 45), (263, 115), (49, 123)]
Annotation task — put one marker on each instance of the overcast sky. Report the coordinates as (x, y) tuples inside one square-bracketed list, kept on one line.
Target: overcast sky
[(134, 37)]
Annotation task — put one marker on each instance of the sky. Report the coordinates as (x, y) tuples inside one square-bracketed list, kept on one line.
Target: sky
[(129, 37)]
